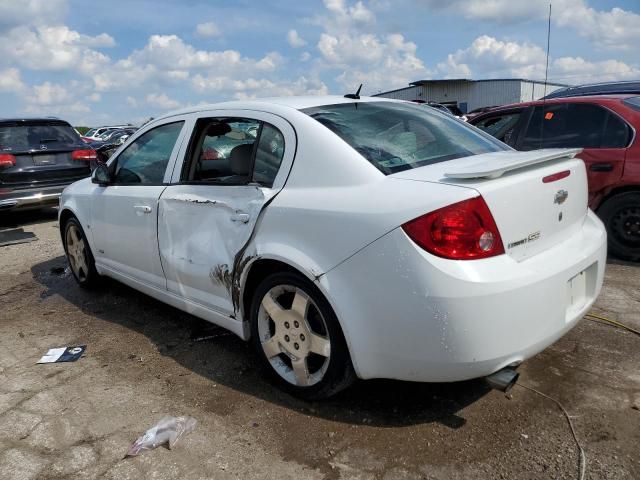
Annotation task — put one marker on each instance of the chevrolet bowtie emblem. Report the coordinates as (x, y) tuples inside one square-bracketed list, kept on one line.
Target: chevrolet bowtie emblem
[(560, 197)]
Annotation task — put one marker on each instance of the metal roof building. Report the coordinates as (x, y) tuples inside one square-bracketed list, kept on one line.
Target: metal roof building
[(468, 94)]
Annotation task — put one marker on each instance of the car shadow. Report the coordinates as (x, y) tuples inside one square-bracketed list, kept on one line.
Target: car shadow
[(24, 218), (617, 261), (225, 359)]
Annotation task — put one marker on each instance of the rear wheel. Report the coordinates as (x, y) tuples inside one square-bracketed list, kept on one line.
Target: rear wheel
[(621, 216), (298, 338), (79, 254)]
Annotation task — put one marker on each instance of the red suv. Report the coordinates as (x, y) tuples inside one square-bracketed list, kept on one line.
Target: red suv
[(605, 126)]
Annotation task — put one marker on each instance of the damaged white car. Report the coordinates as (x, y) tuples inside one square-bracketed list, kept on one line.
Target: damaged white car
[(346, 237)]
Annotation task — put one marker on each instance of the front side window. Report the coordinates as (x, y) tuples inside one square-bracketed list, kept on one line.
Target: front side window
[(503, 127), (234, 151), (145, 160), (398, 136), (569, 125)]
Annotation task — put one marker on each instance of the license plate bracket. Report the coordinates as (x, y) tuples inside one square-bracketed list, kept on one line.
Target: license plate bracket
[(44, 160)]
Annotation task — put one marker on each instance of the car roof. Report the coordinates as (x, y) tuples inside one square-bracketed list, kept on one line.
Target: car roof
[(32, 119), (294, 102), (551, 101)]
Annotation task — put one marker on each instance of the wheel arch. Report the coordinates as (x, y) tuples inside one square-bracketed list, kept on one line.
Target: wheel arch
[(263, 266), (615, 192), (64, 216)]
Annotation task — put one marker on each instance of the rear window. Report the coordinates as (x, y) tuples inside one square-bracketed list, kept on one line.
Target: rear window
[(397, 136), (25, 136)]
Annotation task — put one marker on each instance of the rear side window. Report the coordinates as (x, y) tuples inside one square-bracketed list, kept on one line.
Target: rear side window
[(268, 155), (575, 125), (234, 151), (145, 160), (25, 136), (503, 127), (398, 136)]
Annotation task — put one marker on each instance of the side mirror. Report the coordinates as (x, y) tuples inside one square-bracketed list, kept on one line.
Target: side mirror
[(101, 175)]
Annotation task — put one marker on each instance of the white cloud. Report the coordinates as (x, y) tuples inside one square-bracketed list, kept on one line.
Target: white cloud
[(258, 87), (575, 70), (305, 56), (208, 29), (489, 57), (161, 100), (295, 40), (10, 81), (614, 29), (171, 52), (94, 97), (32, 12), (379, 62), (132, 102), (49, 93), (53, 48)]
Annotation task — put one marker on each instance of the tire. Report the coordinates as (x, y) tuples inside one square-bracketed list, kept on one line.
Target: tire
[(298, 338), (621, 217), (79, 254)]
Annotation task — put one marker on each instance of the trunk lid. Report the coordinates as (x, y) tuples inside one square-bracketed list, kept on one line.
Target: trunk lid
[(531, 214)]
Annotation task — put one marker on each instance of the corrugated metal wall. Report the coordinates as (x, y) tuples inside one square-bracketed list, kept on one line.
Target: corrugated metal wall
[(499, 92)]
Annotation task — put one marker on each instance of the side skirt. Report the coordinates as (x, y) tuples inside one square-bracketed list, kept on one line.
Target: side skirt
[(189, 306)]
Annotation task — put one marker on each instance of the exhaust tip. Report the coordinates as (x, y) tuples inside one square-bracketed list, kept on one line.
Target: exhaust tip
[(503, 380)]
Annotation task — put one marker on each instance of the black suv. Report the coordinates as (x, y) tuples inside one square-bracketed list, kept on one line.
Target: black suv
[(38, 158)]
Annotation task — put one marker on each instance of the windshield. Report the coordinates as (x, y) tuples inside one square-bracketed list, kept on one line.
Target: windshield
[(398, 136), (27, 136)]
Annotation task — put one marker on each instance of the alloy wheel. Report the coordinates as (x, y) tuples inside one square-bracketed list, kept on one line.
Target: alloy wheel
[(76, 253), (294, 335)]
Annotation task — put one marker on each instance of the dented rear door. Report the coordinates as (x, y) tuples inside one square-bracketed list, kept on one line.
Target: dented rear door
[(204, 229)]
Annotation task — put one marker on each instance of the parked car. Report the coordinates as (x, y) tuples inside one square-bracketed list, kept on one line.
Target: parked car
[(605, 126), (38, 158), (607, 88), (115, 136), (95, 133), (364, 237)]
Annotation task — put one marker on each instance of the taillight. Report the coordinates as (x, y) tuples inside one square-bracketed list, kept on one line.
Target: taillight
[(463, 231), (7, 160), (556, 176), (85, 155)]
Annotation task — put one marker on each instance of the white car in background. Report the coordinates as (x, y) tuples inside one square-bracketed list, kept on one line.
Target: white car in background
[(95, 133), (346, 237)]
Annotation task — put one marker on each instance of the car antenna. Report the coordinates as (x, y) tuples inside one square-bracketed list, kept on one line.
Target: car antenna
[(546, 76), (354, 96)]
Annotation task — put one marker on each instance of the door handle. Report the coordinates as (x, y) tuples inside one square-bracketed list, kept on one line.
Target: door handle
[(142, 209), (240, 217), (601, 167)]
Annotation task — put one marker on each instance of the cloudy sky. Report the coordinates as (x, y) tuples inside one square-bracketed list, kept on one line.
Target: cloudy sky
[(96, 62)]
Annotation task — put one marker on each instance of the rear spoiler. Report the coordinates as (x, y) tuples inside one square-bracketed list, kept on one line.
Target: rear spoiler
[(495, 164)]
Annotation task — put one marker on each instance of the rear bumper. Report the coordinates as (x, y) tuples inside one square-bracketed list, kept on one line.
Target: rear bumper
[(30, 197), (409, 315)]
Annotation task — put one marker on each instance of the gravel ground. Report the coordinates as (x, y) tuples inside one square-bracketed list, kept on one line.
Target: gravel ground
[(142, 363)]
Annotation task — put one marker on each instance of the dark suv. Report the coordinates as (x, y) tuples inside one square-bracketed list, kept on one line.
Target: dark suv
[(605, 127), (38, 158)]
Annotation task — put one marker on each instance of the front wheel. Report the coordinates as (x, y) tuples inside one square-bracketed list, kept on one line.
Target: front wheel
[(621, 216), (79, 254), (298, 338)]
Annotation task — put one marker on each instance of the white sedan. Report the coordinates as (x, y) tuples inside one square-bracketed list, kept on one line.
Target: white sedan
[(346, 237)]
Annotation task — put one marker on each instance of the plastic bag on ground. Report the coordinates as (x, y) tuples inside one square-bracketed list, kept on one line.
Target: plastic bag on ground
[(168, 430)]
